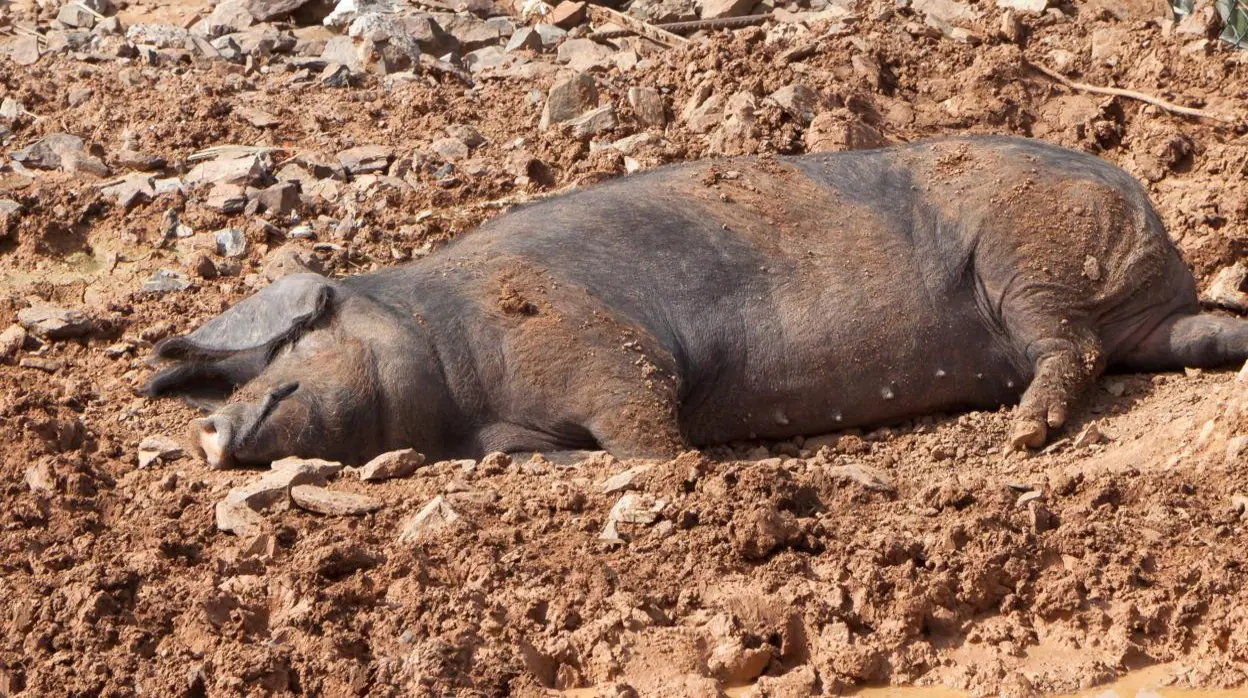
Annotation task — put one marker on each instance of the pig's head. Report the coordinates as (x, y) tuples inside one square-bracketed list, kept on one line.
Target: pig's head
[(307, 367)]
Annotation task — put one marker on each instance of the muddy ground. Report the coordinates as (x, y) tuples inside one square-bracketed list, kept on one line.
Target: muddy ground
[(918, 554)]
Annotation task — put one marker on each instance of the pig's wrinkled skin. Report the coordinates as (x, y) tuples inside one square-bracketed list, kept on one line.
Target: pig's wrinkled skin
[(711, 302)]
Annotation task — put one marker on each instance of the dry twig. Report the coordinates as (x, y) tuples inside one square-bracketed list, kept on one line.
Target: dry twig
[(1131, 94), (651, 32)]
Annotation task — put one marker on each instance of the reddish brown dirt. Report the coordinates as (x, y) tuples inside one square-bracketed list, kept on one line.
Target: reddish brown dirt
[(764, 561)]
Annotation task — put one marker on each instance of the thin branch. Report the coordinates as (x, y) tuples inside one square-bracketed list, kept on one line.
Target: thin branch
[(1131, 94)]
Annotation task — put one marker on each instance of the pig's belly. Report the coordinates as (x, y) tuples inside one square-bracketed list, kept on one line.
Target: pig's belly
[(827, 368)]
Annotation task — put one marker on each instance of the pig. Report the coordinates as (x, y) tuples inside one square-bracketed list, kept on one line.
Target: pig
[(719, 301)]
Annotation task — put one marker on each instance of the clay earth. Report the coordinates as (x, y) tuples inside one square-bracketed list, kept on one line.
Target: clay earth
[(172, 181), (722, 301)]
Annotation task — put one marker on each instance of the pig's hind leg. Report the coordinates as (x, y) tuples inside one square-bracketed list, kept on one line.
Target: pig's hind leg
[(1198, 340)]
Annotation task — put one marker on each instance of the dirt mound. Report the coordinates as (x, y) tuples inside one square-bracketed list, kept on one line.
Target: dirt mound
[(915, 554)]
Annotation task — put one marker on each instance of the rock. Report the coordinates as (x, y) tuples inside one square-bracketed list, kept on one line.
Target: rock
[(290, 260), (469, 135), (230, 242), (241, 170), (1090, 435), (227, 198), (704, 110), (12, 339), (718, 9), (279, 199), (1027, 497), (862, 475), (569, 99), (228, 17), (471, 33), (40, 478), (584, 54), (10, 215), (60, 151), (25, 50), (435, 515), (797, 101), (1032, 6), (647, 104), (45, 365), (485, 59), (53, 322), (129, 191), (142, 162), (764, 531), (1204, 21), (1116, 388), (635, 509), (239, 519), (524, 39), (1227, 288), (257, 117), (451, 149), (274, 486), (593, 123), (431, 38), (11, 109), (567, 14), (631, 144), (335, 75), (1239, 504), (550, 34), (265, 10), (166, 281), (159, 447), (366, 159), (1242, 376), (331, 503), (1236, 447), (841, 130), (158, 35), (1012, 29), (623, 481), (391, 465), (75, 15)]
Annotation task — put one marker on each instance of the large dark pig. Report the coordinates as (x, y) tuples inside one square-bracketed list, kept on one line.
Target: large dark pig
[(717, 301)]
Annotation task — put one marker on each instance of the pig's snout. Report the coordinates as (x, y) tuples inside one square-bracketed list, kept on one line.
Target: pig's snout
[(237, 433), (211, 436)]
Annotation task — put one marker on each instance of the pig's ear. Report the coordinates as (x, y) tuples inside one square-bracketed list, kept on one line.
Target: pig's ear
[(274, 314)]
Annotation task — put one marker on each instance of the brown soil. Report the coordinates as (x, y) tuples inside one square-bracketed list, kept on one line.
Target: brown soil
[(766, 559)]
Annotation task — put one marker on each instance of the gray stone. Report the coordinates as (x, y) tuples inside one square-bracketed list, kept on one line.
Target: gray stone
[(1032, 6), (265, 10), (279, 199), (227, 198), (485, 58), (335, 75), (366, 159), (584, 54), (472, 33), (159, 448), (525, 39), (25, 50), (798, 101), (228, 17), (430, 36), (166, 281), (74, 15), (11, 341), (648, 105), (130, 191), (569, 99), (60, 151), (718, 9), (241, 170), (451, 149), (79, 96), (158, 35), (625, 480), (435, 515), (10, 216), (391, 465), (550, 34), (54, 322), (331, 503), (239, 519), (230, 242), (593, 122)]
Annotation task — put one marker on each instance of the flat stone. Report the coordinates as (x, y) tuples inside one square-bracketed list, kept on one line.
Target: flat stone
[(1032, 6), (485, 59), (568, 14), (433, 516), (798, 101), (275, 485), (230, 242), (718, 9), (1090, 436), (257, 117), (331, 503), (391, 465), (265, 10), (430, 37), (279, 199), (143, 162), (158, 35), (11, 341), (648, 106), (862, 475), (74, 15), (25, 50), (524, 39), (159, 447), (45, 365), (549, 34), (227, 198), (166, 281), (239, 519), (40, 478), (54, 322), (240, 170), (130, 191), (593, 122), (228, 17), (569, 99), (60, 151), (366, 159), (584, 54), (625, 480), (451, 149)]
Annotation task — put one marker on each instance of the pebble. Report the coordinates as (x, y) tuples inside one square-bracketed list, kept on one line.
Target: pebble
[(366, 159), (718, 9), (45, 365), (647, 104), (166, 281), (433, 516), (11, 341), (54, 322), (625, 480), (593, 123), (159, 447), (1090, 436), (864, 475), (331, 503), (797, 101), (569, 99), (238, 518), (392, 465), (568, 14)]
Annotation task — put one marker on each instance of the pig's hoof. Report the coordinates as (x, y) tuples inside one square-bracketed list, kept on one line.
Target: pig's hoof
[(1028, 433)]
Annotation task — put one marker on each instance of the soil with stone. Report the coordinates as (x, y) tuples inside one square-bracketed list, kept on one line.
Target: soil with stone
[(164, 161)]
